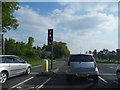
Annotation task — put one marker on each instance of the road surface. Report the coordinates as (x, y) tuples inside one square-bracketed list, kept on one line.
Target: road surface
[(107, 79)]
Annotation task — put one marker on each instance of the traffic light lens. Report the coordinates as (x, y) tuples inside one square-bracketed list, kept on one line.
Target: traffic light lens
[(50, 31), (50, 35)]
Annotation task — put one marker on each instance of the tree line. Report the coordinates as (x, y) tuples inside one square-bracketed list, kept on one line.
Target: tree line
[(104, 54), (13, 47)]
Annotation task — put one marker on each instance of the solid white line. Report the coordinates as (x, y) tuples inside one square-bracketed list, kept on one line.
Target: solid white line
[(103, 79), (21, 83), (43, 84), (107, 74)]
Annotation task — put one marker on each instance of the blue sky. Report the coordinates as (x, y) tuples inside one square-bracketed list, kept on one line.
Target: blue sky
[(83, 26)]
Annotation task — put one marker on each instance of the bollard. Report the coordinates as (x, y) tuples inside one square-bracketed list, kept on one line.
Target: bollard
[(45, 66)]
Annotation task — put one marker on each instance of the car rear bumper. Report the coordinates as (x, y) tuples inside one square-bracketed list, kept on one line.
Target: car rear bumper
[(96, 72)]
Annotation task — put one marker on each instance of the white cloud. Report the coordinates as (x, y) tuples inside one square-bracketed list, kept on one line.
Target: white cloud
[(81, 32)]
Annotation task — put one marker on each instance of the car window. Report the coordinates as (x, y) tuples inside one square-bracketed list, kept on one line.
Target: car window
[(19, 60), (81, 58), (7, 60)]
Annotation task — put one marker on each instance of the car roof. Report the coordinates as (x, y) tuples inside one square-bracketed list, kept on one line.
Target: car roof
[(8, 56), (81, 54)]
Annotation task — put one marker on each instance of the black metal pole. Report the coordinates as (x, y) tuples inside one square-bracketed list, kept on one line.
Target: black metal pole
[(51, 56)]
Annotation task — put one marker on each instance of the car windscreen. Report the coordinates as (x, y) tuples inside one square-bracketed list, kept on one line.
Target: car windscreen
[(81, 58)]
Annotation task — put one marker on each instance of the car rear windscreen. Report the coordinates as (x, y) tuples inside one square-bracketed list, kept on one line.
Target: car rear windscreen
[(81, 58)]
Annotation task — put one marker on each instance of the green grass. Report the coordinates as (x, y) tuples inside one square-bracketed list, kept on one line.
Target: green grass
[(34, 61), (107, 61)]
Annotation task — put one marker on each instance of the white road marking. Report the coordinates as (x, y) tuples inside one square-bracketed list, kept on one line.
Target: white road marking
[(103, 79), (18, 87), (21, 83), (43, 84), (115, 82), (112, 67), (34, 73), (56, 70), (107, 74)]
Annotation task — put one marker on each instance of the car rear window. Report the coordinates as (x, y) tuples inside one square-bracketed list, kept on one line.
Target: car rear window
[(81, 58)]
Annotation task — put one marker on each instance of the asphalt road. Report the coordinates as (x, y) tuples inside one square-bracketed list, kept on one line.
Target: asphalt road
[(36, 80)]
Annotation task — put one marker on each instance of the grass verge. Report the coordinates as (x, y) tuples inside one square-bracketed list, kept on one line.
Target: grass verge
[(107, 61), (34, 61)]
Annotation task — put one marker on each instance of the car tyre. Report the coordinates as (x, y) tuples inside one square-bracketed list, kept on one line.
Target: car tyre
[(118, 76), (28, 71), (3, 77)]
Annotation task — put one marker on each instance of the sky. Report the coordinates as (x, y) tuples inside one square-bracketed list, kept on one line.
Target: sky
[(83, 26)]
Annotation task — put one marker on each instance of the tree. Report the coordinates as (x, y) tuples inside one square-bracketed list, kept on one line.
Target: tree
[(8, 20), (90, 52), (30, 42), (60, 50), (95, 54)]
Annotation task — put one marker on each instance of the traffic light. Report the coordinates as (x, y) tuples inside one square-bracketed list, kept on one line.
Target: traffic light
[(50, 36)]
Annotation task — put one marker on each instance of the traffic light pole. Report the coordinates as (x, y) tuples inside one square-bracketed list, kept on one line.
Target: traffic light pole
[(51, 56)]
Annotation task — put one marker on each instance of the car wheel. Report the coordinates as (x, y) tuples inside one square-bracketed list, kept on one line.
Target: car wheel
[(3, 77), (118, 76), (28, 71)]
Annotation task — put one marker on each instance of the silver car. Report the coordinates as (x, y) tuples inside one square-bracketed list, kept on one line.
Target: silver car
[(118, 73), (11, 65), (82, 65)]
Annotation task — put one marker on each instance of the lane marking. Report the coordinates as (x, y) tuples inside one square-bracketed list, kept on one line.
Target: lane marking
[(34, 73), (112, 67), (56, 70), (107, 74), (103, 79), (115, 82), (43, 84), (21, 83)]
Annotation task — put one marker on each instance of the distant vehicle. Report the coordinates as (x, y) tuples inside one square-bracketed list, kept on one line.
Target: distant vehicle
[(82, 65), (11, 65), (118, 73)]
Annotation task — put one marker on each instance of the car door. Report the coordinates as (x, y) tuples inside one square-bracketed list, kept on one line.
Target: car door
[(15, 66), (9, 64), (22, 65)]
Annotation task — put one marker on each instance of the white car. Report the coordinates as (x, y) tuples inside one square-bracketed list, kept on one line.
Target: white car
[(118, 73), (82, 65), (11, 65)]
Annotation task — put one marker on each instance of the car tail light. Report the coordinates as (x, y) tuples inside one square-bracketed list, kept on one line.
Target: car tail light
[(95, 65), (68, 63)]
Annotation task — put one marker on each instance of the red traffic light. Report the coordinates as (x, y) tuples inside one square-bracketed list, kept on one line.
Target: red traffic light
[(50, 31)]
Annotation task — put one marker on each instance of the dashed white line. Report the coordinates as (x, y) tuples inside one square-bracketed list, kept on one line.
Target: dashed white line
[(103, 79), (21, 83), (43, 84)]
